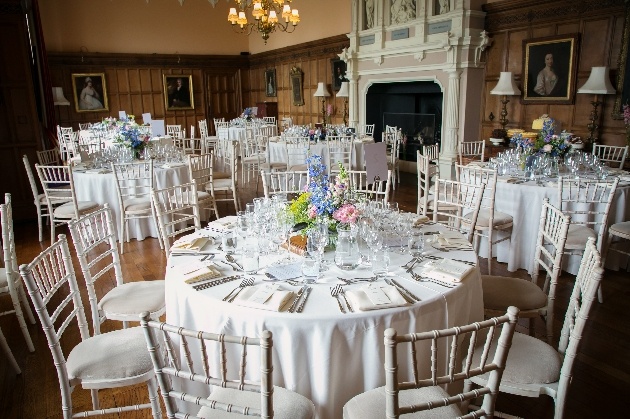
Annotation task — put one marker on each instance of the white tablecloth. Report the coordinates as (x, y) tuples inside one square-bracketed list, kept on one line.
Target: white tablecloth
[(524, 203), (278, 153), (322, 354), (101, 188)]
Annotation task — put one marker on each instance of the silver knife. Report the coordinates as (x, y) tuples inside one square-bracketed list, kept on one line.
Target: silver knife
[(406, 290), (402, 293), (306, 294), (297, 298)]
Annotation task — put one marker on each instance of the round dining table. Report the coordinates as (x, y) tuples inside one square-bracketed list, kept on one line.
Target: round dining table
[(321, 353), (278, 152)]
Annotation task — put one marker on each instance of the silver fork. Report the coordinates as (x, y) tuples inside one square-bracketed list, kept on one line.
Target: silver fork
[(247, 283), (343, 294), (334, 291)]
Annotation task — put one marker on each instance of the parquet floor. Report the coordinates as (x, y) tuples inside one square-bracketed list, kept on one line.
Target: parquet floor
[(600, 380)]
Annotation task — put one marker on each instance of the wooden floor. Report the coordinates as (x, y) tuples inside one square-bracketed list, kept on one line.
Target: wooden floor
[(601, 377)]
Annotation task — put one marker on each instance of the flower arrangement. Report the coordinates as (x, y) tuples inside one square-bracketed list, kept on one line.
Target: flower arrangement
[(626, 121), (546, 141), (129, 136), (325, 200), (247, 113)]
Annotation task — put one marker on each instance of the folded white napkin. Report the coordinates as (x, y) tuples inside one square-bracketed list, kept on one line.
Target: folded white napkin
[(97, 171), (224, 223), (196, 271), (507, 179), (421, 219), (192, 243), (275, 302), (360, 301), (447, 270), (172, 165), (451, 239)]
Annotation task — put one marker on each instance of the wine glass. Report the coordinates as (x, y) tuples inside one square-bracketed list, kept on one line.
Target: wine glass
[(416, 245)]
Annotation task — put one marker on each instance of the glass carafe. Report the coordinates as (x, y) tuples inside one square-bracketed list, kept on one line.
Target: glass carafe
[(347, 255)]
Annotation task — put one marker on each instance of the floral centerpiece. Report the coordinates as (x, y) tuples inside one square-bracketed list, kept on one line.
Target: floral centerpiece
[(323, 200), (545, 142), (129, 135), (248, 113)]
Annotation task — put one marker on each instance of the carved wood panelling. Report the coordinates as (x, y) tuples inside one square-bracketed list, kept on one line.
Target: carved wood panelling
[(600, 25)]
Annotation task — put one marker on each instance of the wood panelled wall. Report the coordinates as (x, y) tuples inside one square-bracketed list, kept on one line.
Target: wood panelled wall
[(222, 85), (600, 24)]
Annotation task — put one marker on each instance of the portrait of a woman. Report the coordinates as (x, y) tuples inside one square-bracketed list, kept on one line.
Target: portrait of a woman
[(90, 92), (547, 79), (89, 99)]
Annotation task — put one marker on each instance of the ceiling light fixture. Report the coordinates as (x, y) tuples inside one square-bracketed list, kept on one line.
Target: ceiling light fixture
[(266, 14)]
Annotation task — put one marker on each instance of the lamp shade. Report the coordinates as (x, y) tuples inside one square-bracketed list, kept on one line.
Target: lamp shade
[(506, 85), (58, 97), (321, 90), (343, 91), (598, 82)]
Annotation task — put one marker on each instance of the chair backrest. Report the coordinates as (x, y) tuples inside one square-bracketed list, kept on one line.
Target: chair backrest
[(375, 189), (366, 130), (469, 151), (94, 239), (49, 157), (392, 145), (297, 153), (613, 156), (8, 248), (84, 126), (207, 360), (581, 301), (31, 177), (284, 183), (174, 131), (203, 129), (267, 131), (200, 169), (432, 152), (339, 152), (476, 175), (222, 129), (58, 186), (133, 180), (174, 207), (270, 119), (434, 341), (588, 202), (424, 183), (453, 200)]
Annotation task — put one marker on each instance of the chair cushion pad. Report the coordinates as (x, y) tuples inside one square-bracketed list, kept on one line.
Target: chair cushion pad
[(222, 183), (483, 219), (286, 404), (621, 229), (67, 210), (371, 404), (142, 204), (221, 175), (577, 236), (530, 360), (133, 298), (110, 356), (501, 292)]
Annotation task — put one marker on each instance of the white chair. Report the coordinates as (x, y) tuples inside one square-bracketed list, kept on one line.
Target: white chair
[(49, 157), (470, 151), (65, 142), (339, 152), (208, 142), (373, 189), (224, 184), (232, 389), (365, 130), (175, 206), (297, 153), (134, 182), (534, 367), (588, 203), (200, 170), (85, 126), (286, 122), (39, 199), (433, 153), (94, 238), (175, 131), (489, 222), (270, 120), (222, 130), (501, 292), (455, 200), (61, 197), (426, 198), (110, 360), (621, 231), (8, 354), (10, 283), (392, 143), (613, 156), (424, 395), (287, 183)]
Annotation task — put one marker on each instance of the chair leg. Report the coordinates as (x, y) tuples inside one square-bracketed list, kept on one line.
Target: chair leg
[(27, 308), (95, 403), (123, 222), (490, 251), (40, 226), (20, 316), (153, 399), (9, 355)]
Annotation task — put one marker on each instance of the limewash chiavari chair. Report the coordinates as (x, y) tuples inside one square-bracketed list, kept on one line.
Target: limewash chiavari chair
[(39, 199), (224, 184), (175, 131), (392, 139), (534, 367), (613, 156), (426, 198), (50, 157), (456, 205), (4, 346), (469, 151), (374, 189), (284, 183), (297, 150), (208, 360), (489, 221), (10, 283), (94, 238), (109, 360), (339, 152), (425, 396), (433, 153), (208, 142), (501, 292), (200, 170), (621, 231)]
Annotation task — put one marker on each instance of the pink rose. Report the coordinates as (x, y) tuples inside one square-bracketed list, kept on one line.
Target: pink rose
[(348, 214), (547, 148)]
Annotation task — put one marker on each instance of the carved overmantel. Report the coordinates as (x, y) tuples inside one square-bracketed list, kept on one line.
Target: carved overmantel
[(420, 40)]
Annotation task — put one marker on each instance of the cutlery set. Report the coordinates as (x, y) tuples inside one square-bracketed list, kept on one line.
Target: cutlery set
[(404, 292), (335, 292), (248, 282), (420, 278), (457, 260), (216, 282), (300, 299)]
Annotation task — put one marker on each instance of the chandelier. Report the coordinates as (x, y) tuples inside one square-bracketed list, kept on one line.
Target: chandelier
[(266, 14)]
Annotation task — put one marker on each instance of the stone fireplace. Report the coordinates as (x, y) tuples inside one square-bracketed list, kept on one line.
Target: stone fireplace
[(420, 42)]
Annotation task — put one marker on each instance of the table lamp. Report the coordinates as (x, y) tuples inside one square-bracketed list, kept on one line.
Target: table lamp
[(344, 93), (505, 87), (323, 93), (58, 98), (598, 83)]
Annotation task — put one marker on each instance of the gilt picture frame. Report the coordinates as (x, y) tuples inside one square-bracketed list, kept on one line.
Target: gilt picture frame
[(296, 86), (178, 92), (89, 92), (550, 69), (622, 96), (270, 83), (338, 73)]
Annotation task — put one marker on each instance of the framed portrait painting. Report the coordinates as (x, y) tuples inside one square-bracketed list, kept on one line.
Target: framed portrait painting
[(270, 83), (296, 86), (549, 69), (338, 73), (178, 92), (90, 92), (622, 96)]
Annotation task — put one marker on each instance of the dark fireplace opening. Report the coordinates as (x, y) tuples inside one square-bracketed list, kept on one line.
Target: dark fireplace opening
[(414, 107)]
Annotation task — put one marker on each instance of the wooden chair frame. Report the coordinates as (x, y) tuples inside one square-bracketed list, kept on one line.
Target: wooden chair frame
[(471, 151), (611, 155), (39, 199), (455, 200)]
